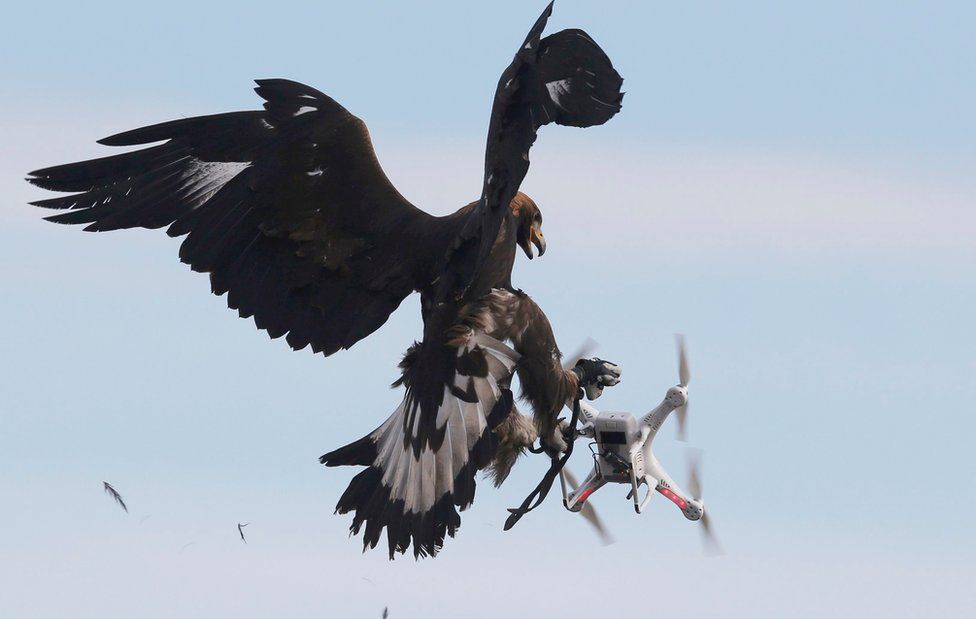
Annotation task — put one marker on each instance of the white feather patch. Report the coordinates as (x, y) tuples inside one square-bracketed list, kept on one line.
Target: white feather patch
[(421, 482), (559, 89), (202, 179)]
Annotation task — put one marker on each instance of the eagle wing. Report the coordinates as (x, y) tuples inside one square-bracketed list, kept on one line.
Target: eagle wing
[(287, 209), (563, 78)]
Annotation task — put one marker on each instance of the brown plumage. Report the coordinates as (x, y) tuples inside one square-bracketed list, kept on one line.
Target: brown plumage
[(292, 216)]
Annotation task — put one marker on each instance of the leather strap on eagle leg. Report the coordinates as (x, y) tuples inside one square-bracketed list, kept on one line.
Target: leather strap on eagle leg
[(542, 490)]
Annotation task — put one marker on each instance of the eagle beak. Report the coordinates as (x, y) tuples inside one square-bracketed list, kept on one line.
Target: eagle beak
[(538, 240), (534, 238)]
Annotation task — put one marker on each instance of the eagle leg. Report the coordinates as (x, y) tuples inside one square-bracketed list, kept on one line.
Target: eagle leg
[(515, 435)]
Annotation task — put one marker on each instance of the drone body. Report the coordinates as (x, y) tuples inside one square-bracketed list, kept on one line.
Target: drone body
[(623, 454)]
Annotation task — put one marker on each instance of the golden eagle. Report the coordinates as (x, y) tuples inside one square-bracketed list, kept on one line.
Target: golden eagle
[(290, 213)]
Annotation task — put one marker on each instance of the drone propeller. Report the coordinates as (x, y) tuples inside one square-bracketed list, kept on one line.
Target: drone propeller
[(709, 540), (681, 413), (589, 512), (684, 377), (587, 348), (684, 374)]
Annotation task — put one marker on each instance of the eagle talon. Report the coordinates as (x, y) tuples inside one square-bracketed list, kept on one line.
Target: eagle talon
[(595, 374), (558, 441)]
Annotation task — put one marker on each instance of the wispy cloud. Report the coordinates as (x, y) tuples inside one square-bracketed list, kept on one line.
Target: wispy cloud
[(717, 201), (691, 200)]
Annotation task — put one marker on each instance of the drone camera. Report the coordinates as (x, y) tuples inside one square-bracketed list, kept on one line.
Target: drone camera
[(612, 438)]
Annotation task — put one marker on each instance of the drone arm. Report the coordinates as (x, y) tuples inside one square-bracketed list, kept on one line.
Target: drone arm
[(658, 480), (587, 414), (652, 421), (574, 500)]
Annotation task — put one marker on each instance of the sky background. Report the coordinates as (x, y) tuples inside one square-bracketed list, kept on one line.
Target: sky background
[(789, 185)]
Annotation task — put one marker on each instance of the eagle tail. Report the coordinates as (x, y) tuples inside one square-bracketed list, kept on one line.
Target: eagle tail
[(416, 494)]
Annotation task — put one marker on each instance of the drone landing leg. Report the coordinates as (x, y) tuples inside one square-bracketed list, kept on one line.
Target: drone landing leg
[(635, 484)]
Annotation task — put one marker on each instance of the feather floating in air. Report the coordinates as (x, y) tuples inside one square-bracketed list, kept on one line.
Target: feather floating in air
[(115, 495)]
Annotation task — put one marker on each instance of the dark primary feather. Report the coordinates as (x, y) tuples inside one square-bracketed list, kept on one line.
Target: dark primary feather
[(287, 209), (115, 495)]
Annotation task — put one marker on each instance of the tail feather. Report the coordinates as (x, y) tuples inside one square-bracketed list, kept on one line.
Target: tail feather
[(417, 497), (361, 452)]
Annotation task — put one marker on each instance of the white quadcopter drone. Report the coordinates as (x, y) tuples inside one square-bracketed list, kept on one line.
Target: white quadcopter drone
[(622, 454)]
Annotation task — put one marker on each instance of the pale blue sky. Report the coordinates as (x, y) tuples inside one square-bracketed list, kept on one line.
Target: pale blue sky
[(791, 186)]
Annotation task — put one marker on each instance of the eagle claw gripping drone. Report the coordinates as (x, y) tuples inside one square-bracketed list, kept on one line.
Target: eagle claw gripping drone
[(622, 454)]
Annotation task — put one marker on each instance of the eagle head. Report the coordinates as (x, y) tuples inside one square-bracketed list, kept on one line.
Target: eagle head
[(528, 224)]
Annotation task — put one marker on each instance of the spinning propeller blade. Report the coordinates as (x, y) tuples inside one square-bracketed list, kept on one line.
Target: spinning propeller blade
[(684, 377), (710, 542), (684, 374), (681, 413), (712, 547), (589, 512), (587, 348), (694, 478)]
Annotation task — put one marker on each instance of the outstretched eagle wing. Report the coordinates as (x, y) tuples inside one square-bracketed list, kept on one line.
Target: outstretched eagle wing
[(563, 78), (287, 208)]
